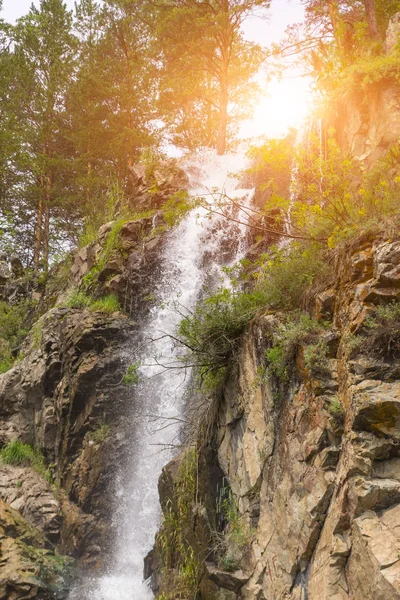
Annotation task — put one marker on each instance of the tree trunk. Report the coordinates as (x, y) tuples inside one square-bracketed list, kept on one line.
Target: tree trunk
[(334, 17), (46, 231), (223, 116), (371, 18), (38, 235)]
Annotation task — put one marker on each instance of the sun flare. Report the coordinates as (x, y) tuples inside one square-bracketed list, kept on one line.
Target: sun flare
[(285, 103)]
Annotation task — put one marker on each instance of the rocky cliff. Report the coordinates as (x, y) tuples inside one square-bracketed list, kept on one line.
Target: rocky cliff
[(63, 430), (311, 462)]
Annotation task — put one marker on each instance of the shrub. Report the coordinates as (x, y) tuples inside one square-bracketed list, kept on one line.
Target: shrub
[(175, 551), (107, 304), (211, 333), (78, 299), (15, 321), (335, 407), (301, 331), (381, 332), (131, 376), (315, 356), (17, 453), (100, 434), (234, 542)]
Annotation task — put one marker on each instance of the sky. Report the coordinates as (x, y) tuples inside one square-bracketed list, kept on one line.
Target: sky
[(284, 103)]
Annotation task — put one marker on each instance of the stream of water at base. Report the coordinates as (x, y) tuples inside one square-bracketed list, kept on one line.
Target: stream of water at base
[(192, 256)]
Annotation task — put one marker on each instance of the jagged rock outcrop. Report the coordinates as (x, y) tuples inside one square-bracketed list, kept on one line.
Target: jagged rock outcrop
[(66, 388), (27, 568), (314, 463), (65, 397), (367, 120)]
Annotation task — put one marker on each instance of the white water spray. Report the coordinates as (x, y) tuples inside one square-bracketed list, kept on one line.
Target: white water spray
[(186, 265)]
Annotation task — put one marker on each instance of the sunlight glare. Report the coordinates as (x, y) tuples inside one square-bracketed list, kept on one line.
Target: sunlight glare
[(285, 103)]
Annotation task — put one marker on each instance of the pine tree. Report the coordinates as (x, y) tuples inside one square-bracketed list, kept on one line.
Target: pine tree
[(207, 64), (44, 58)]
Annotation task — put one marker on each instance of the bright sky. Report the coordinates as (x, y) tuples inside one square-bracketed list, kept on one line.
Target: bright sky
[(285, 102)]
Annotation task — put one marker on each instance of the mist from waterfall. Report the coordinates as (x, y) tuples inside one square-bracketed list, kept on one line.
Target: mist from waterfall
[(191, 258)]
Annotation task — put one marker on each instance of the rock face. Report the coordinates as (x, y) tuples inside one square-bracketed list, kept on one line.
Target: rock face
[(27, 569), (65, 397), (393, 33), (367, 130), (64, 390), (367, 122), (319, 488)]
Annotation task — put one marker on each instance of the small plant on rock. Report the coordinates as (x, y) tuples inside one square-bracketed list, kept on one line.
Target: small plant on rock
[(18, 454), (131, 376), (381, 332), (78, 299), (335, 407), (233, 543), (302, 330), (100, 434), (107, 304)]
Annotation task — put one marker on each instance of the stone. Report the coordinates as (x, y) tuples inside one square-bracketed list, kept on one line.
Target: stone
[(377, 407), (4, 272), (227, 580), (23, 559), (393, 33), (17, 267), (29, 493)]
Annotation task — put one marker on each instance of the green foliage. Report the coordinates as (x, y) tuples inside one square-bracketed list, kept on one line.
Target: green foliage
[(107, 304), (211, 333), (370, 70), (335, 407), (37, 334), (100, 434), (177, 207), (80, 300), (337, 200), (271, 171), (315, 356), (380, 335), (17, 453), (232, 545), (15, 321), (301, 331), (285, 274), (131, 376), (176, 553)]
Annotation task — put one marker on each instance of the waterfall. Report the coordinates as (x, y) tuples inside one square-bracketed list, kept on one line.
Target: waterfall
[(192, 256)]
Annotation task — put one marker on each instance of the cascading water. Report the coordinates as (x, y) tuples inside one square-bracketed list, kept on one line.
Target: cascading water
[(191, 257)]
